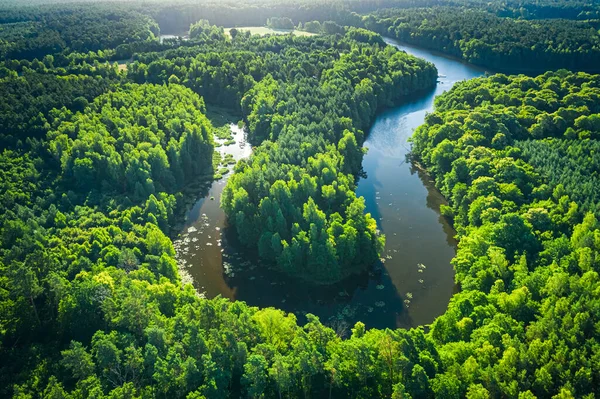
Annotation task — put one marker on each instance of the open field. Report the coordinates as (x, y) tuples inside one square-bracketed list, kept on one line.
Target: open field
[(263, 30)]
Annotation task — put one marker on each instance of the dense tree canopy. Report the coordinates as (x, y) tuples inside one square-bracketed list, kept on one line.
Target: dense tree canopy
[(137, 141), (294, 199), (87, 206), (528, 234), (94, 158), (29, 102), (96, 197), (483, 38), (78, 28), (514, 35)]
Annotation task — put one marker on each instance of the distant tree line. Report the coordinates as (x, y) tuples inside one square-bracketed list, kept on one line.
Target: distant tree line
[(81, 29), (503, 44), (509, 36)]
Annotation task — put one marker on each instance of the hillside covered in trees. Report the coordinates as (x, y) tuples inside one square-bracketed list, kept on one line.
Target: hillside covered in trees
[(96, 156)]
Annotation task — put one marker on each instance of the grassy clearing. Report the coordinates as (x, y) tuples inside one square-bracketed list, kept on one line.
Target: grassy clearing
[(263, 30)]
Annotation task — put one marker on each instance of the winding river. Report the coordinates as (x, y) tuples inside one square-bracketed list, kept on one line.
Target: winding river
[(413, 282)]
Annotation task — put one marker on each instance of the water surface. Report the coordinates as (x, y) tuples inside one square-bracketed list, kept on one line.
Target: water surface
[(183, 36), (405, 202)]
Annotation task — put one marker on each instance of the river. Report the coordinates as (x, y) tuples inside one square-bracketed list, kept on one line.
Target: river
[(415, 280), (183, 36)]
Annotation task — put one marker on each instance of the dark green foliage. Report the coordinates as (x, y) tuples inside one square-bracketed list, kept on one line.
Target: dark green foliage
[(572, 164), (202, 30), (280, 23), (31, 103), (73, 28), (485, 39)]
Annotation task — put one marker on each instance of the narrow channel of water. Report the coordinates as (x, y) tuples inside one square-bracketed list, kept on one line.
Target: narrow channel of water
[(419, 242), (200, 248), (415, 280)]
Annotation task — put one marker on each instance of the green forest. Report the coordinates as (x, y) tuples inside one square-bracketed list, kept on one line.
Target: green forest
[(499, 43), (105, 125)]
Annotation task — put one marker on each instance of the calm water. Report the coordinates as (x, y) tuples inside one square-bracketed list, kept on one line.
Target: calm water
[(183, 35), (413, 283), (406, 204)]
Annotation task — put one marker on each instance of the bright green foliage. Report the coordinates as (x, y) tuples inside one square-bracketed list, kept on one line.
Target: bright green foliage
[(294, 199), (87, 270), (139, 141), (202, 30), (311, 108), (500, 149), (89, 214)]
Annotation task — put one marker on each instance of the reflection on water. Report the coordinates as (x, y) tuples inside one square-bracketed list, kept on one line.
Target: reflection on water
[(414, 280), (200, 248), (183, 36), (419, 241)]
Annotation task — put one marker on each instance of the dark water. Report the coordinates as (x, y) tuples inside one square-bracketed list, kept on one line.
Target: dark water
[(410, 286)]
